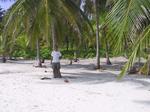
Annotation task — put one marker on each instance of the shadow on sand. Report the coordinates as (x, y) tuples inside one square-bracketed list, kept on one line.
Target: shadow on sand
[(144, 102), (85, 73)]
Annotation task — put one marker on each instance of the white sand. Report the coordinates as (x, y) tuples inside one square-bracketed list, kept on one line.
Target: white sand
[(21, 89)]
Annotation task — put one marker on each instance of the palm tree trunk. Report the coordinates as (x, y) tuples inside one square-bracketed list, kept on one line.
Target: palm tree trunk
[(76, 55), (107, 54), (97, 36), (67, 43), (56, 68), (39, 63), (53, 35), (139, 57), (106, 45), (3, 58)]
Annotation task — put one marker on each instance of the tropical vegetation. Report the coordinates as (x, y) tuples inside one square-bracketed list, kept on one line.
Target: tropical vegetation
[(81, 29)]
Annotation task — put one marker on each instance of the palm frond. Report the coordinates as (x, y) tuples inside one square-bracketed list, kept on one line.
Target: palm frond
[(121, 19), (145, 35)]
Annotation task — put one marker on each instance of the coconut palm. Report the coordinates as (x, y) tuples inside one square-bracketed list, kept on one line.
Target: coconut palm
[(97, 34), (1, 28), (42, 19), (96, 10), (124, 16)]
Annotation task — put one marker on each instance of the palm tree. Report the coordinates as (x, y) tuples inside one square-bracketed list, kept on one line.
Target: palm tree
[(97, 34), (39, 63), (42, 18), (105, 41), (122, 19), (98, 9), (1, 28)]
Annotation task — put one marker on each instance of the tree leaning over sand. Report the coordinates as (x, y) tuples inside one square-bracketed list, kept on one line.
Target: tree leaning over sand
[(126, 23), (41, 19)]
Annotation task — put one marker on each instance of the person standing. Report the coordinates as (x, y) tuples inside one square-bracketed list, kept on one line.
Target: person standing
[(56, 56)]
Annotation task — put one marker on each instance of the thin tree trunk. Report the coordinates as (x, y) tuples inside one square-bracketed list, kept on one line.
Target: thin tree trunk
[(106, 45), (125, 45), (56, 68), (139, 57), (97, 35), (70, 62), (39, 63), (75, 56), (53, 35), (67, 43), (149, 65), (3, 58), (107, 54)]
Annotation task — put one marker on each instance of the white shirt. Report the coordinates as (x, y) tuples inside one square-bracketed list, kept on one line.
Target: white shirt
[(56, 55)]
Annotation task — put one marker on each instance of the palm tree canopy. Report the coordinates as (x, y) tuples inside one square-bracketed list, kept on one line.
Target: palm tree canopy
[(34, 18), (129, 20)]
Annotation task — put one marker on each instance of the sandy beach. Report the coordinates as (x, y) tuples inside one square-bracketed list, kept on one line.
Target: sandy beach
[(88, 90)]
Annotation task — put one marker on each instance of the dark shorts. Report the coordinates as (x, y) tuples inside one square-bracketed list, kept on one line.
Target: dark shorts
[(56, 65)]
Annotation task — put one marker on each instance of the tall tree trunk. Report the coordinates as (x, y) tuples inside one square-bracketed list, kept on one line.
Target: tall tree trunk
[(75, 55), (3, 58), (107, 54), (139, 57), (39, 63), (106, 45), (125, 46), (67, 43), (56, 69), (53, 34), (97, 35)]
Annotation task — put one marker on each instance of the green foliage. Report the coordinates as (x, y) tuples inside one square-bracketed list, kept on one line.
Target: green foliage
[(21, 48), (26, 54), (129, 29), (88, 53), (67, 54), (45, 52)]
